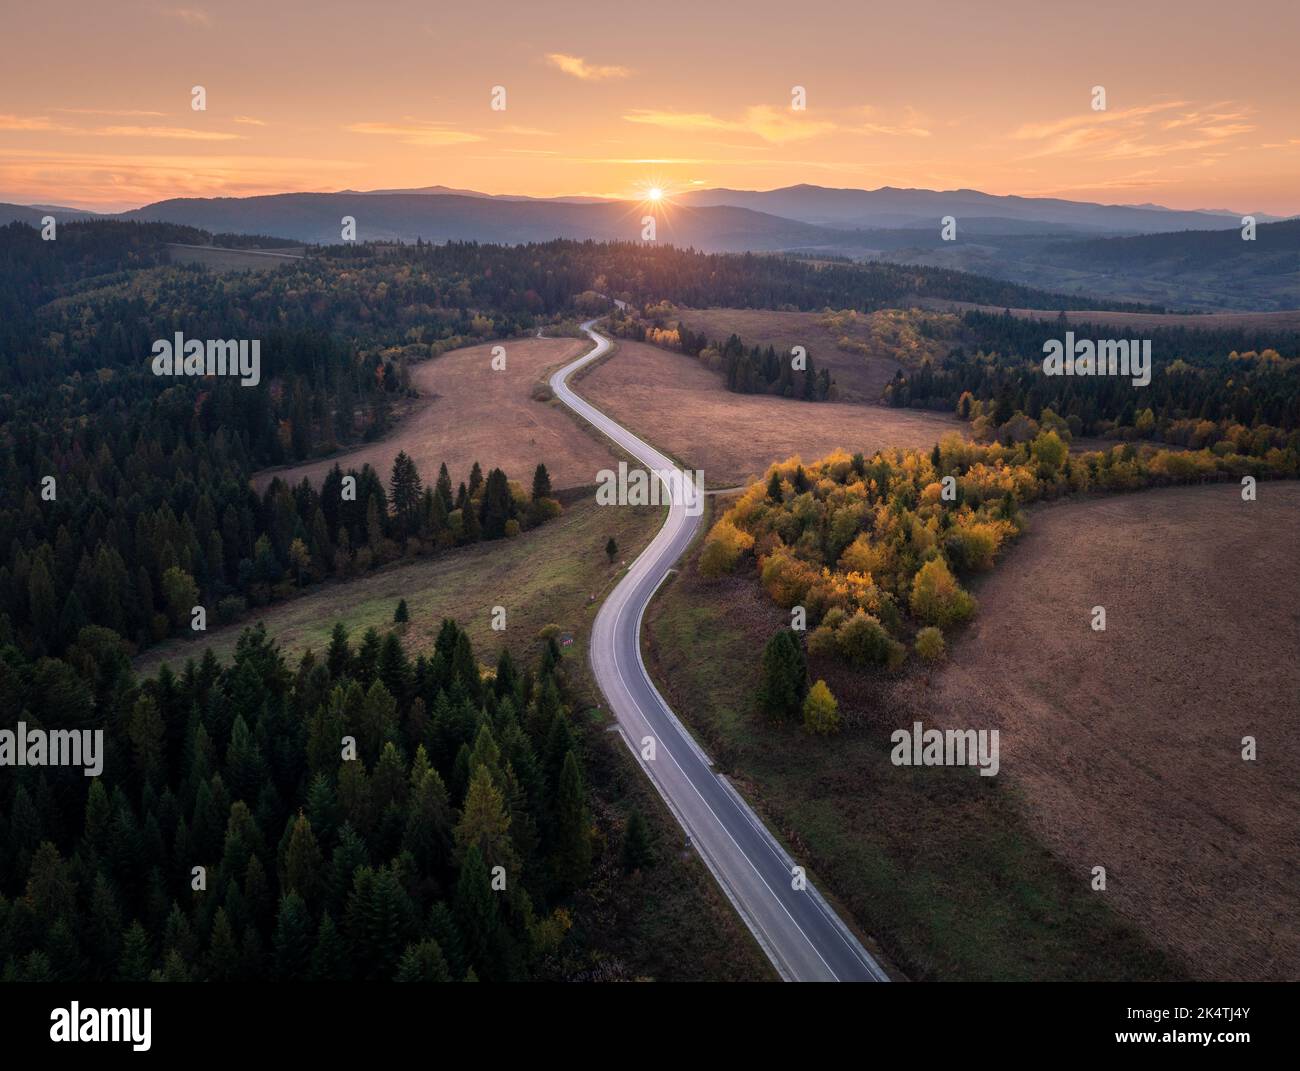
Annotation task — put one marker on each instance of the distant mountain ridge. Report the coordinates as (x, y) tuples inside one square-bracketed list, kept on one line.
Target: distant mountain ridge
[(890, 207), (1144, 253)]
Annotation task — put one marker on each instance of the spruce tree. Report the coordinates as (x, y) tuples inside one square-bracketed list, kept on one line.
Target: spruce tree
[(571, 838), (637, 853)]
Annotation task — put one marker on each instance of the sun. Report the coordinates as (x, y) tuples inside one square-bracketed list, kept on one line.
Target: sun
[(654, 193)]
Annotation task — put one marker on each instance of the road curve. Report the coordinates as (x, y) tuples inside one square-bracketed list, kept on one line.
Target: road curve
[(797, 929)]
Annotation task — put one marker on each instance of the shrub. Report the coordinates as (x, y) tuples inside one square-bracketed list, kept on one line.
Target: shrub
[(929, 644), (937, 599)]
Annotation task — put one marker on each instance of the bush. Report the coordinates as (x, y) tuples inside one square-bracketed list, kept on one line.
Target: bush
[(929, 644), (723, 548), (231, 609), (937, 599)]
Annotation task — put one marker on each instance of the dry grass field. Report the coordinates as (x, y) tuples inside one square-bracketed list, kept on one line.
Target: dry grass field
[(468, 412), (1128, 742), (545, 576), (677, 404), (1120, 749), (858, 377)]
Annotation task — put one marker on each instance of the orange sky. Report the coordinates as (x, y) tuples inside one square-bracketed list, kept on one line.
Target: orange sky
[(1202, 102)]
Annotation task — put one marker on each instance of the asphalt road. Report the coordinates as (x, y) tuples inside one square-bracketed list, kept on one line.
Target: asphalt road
[(802, 936)]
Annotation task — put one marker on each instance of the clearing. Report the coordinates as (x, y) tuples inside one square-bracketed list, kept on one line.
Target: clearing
[(468, 412), (676, 403)]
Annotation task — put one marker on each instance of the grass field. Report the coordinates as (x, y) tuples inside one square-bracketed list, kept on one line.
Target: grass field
[(1120, 749), (469, 412), (545, 576), (859, 377), (677, 404)]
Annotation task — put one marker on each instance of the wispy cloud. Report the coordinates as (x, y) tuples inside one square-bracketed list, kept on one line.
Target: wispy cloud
[(118, 113), (191, 16), (774, 125), (527, 131), (1142, 132), (248, 120), (580, 68), (417, 132), (179, 133)]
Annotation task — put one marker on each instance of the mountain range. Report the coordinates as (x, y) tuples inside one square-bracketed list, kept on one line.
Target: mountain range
[(1064, 245)]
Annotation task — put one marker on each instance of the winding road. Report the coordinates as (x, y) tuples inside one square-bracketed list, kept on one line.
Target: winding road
[(801, 935)]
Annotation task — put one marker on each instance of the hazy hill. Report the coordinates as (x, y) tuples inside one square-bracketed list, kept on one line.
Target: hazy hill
[(315, 217), (892, 207)]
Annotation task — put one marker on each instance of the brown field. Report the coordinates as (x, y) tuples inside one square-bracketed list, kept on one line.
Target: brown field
[(677, 404), (1120, 749), (467, 412), (221, 259), (1128, 742), (1286, 320), (858, 378)]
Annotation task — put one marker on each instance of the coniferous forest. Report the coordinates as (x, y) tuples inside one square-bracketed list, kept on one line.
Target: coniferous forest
[(358, 816)]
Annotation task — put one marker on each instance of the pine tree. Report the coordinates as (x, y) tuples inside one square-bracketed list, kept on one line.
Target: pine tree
[(571, 850), (292, 943), (401, 615), (611, 550), (135, 962), (476, 913), (404, 493), (484, 824), (784, 677), (541, 483), (423, 963), (637, 853)]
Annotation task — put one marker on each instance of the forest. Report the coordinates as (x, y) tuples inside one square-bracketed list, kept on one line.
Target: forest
[(360, 816), (1207, 386)]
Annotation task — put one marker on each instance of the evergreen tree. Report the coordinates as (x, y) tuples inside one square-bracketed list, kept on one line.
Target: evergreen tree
[(571, 850), (784, 677), (637, 852)]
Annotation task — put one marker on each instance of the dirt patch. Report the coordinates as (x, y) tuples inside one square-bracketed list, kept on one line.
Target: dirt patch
[(1128, 742), (676, 403), (468, 412)]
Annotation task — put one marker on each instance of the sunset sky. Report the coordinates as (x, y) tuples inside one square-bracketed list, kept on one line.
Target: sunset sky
[(1202, 103)]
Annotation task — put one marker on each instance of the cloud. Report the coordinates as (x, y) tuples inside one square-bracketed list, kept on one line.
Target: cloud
[(248, 120), (912, 125), (178, 132), (774, 125), (417, 132), (1138, 133), (29, 122), (191, 16), (119, 113), (527, 131), (580, 68)]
